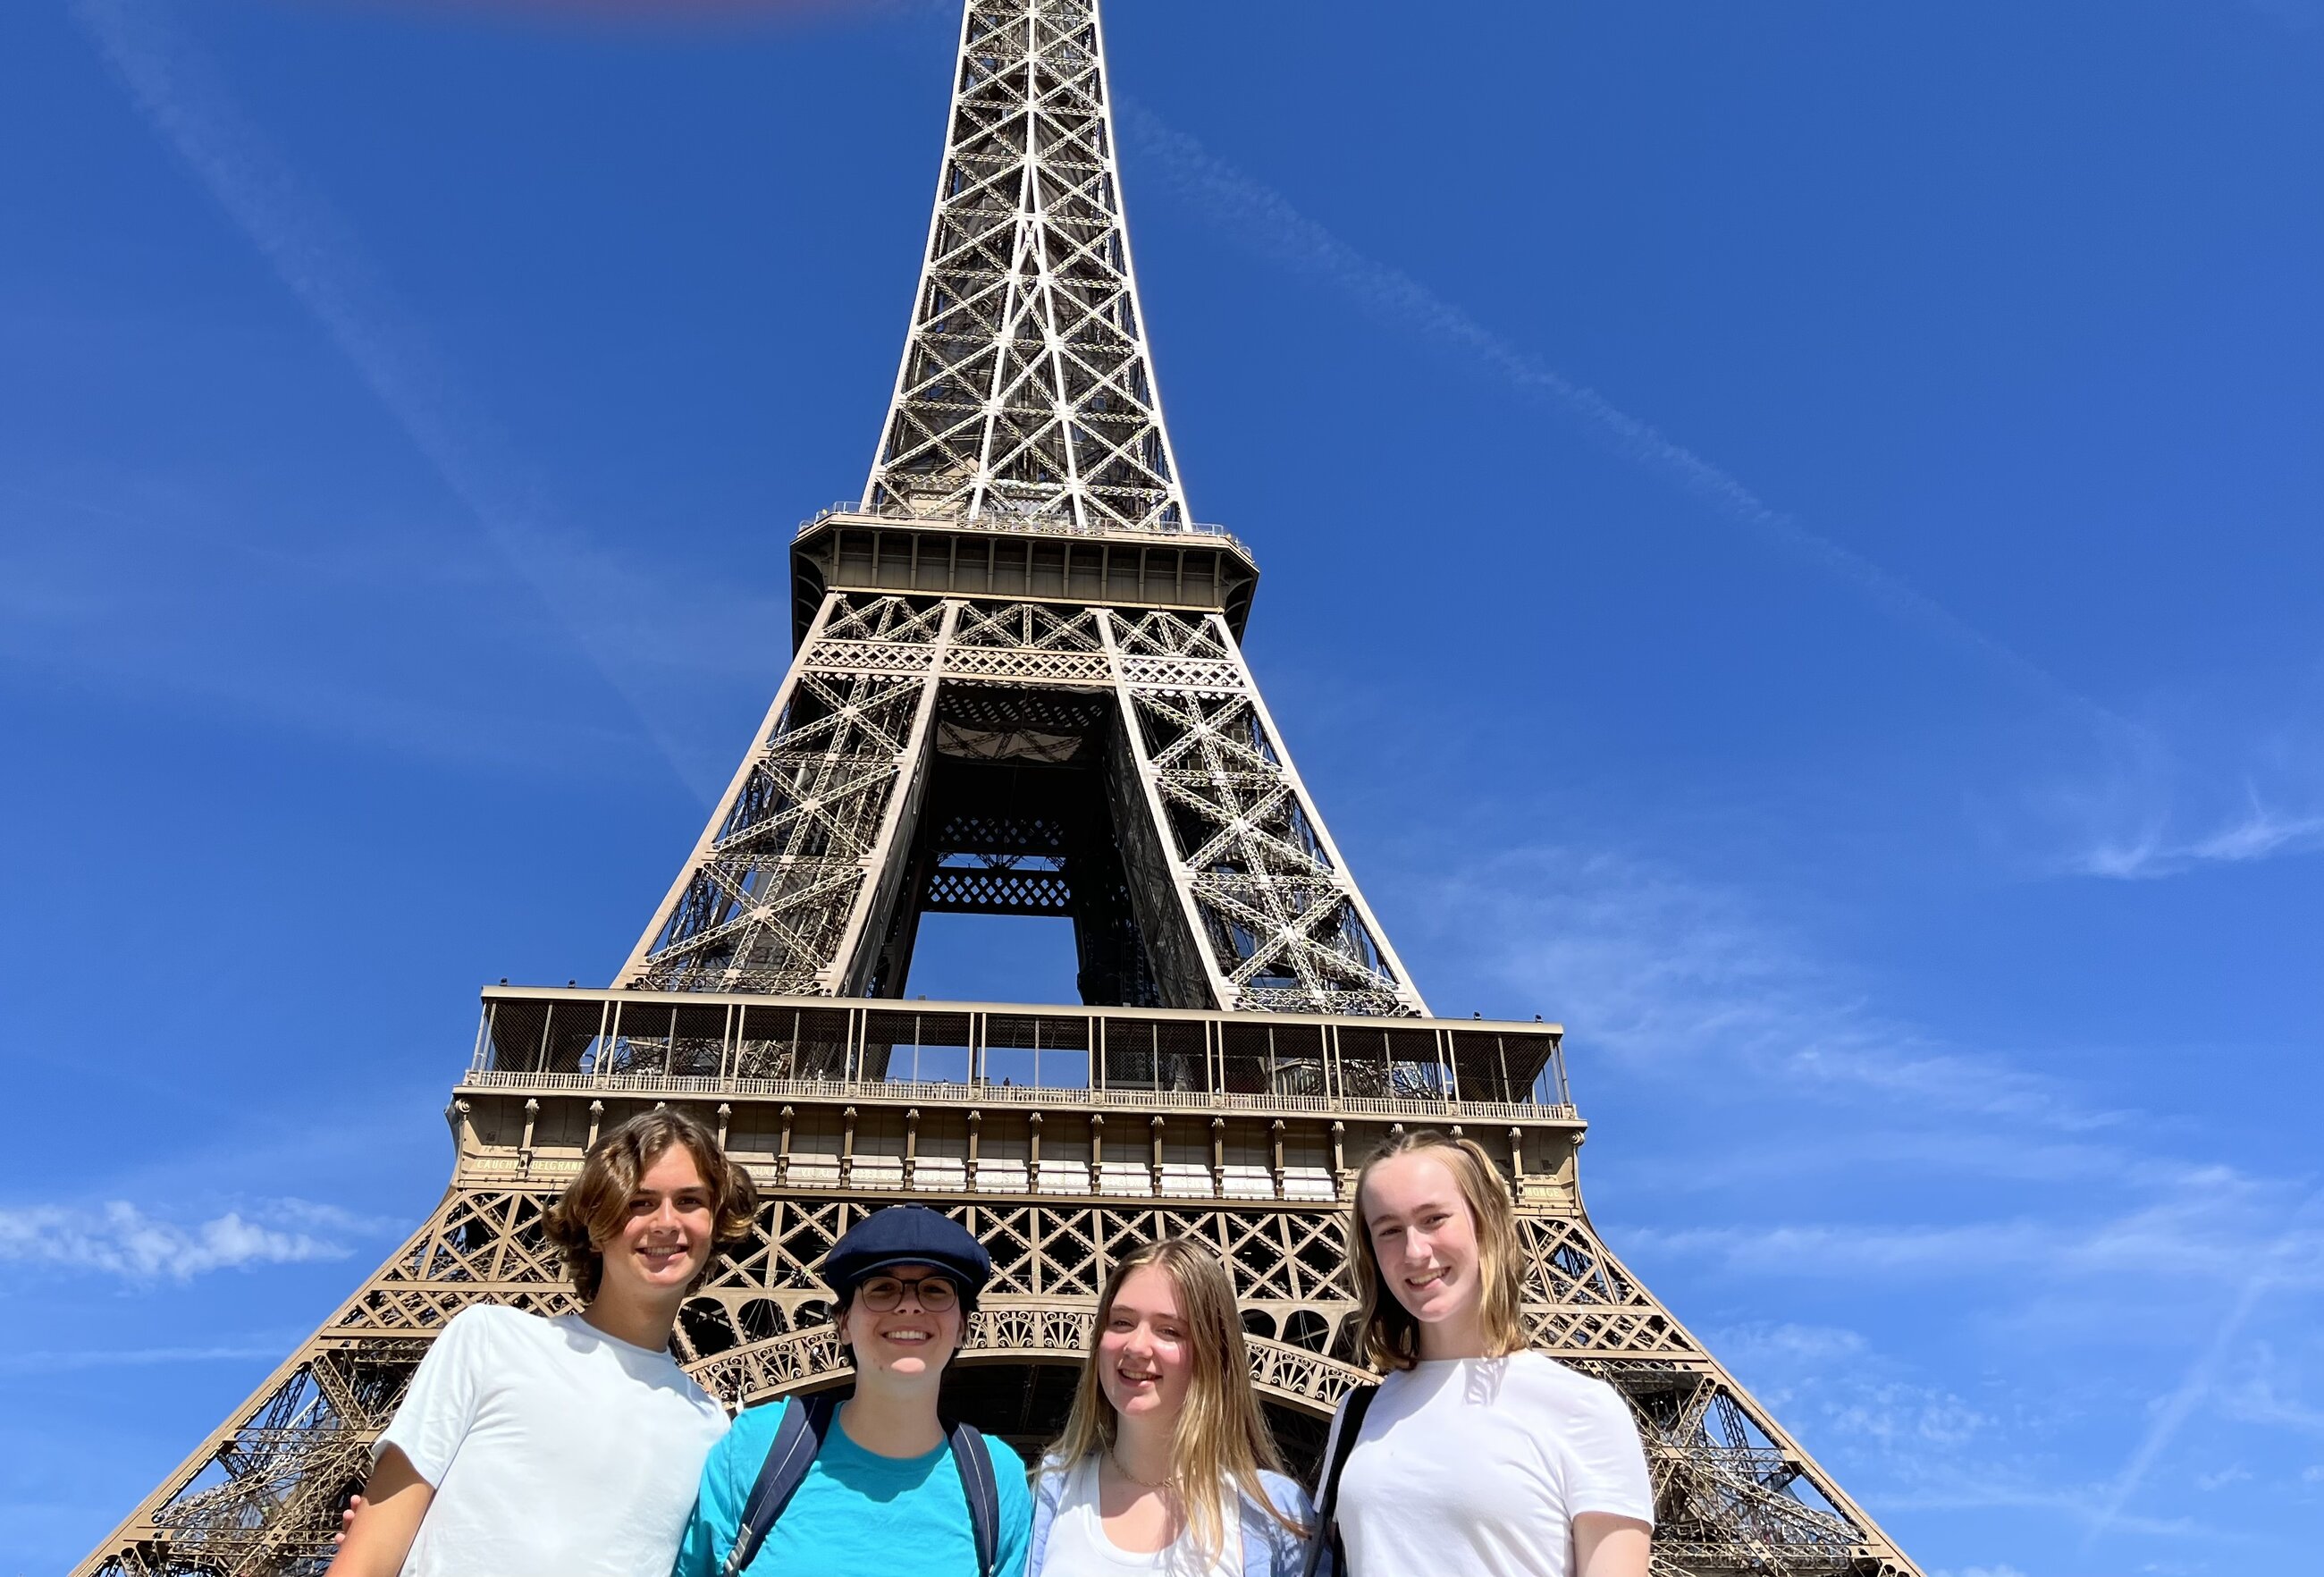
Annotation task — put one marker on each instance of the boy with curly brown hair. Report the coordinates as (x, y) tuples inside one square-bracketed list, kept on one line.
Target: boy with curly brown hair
[(567, 1445)]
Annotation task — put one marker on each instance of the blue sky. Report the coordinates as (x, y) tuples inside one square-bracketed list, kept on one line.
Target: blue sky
[(1790, 535)]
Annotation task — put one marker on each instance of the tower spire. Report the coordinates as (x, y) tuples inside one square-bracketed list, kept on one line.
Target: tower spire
[(1026, 389)]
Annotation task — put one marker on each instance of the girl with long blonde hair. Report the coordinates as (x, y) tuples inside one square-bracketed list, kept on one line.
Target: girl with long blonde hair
[(1473, 1457), (1167, 1465)]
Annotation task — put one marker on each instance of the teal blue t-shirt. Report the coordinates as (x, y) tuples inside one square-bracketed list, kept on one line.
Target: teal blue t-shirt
[(856, 1514)]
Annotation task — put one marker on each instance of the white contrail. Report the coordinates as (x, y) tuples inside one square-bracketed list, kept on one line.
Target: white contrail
[(179, 93), (2203, 1377), (1263, 217), (326, 270)]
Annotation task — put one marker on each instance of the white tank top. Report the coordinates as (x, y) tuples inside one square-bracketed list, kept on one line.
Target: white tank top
[(1078, 1547)]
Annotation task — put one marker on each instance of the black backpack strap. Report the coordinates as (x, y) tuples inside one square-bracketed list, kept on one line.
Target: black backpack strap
[(1327, 1493), (983, 1491), (797, 1438)]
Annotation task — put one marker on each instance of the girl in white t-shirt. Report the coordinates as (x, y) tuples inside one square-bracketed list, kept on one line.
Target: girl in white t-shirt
[(1166, 1467), (1475, 1458)]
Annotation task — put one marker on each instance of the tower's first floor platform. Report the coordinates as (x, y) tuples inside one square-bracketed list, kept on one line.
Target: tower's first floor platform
[(1061, 1136)]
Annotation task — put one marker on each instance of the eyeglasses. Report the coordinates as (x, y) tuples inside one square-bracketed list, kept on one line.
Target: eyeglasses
[(883, 1295)]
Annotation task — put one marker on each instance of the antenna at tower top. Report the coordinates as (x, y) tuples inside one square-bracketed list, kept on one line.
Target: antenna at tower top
[(1027, 390)]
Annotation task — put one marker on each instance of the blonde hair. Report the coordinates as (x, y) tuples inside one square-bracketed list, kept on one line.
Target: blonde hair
[(1220, 1443), (594, 1205), (1390, 1336)]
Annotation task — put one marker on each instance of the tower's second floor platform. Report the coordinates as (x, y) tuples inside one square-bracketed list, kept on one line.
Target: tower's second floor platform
[(1188, 569)]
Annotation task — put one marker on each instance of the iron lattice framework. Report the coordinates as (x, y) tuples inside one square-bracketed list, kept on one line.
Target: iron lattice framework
[(1214, 1126), (1235, 890), (1027, 390), (1017, 689)]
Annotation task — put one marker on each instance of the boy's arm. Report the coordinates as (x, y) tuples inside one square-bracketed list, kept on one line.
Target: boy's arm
[(395, 1498)]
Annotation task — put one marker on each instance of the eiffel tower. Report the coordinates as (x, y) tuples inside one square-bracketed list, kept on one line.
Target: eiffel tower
[(1017, 689)]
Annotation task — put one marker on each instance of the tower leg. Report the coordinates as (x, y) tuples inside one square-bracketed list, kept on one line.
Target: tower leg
[(264, 1493)]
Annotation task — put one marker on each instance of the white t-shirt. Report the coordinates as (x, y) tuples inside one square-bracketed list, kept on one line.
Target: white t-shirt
[(1078, 1547), (554, 1449), (1475, 1467)]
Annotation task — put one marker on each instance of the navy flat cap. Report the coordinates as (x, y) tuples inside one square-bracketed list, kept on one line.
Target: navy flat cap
[(908, 1234)]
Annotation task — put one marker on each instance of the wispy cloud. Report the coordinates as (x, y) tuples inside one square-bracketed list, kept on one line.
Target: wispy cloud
[(2262, 832), (2212, 1238), (1829, 1378), (663, 14), (2261, 1393), (597, 597), (1266, 220), (118, 1238), (1860, 1155), (2125, 829), (1970, 1491), (2295, 1258), (1789, 1342), (319, 634), (337, 558), (70, 1359), (1901, 1442), (1931, 1449), (2199, 788), (2265, 832), (1664, 968)]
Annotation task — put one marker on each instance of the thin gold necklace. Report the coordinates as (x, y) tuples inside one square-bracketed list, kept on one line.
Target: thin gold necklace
[(1113, 1455)]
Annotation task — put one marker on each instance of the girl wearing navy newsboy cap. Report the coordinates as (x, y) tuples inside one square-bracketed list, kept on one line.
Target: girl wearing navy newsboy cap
[(879, 1482)]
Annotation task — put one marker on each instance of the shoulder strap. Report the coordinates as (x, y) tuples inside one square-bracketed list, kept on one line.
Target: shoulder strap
[(797, 1438), (1327, 1493), (983, 1491)]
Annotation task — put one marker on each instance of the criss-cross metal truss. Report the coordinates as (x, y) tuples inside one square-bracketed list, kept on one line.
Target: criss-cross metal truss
[(1017, 689), (1238, 897), (1026, 391), (1734, 1494)]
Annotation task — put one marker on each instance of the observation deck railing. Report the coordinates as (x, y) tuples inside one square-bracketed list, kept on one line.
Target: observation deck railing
[(1013, 525), (1151, 1059)]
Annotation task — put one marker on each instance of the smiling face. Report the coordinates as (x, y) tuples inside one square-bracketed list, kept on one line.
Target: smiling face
[(1426, 1241), (668, 1234), (908, 1342), (1145, 1353)]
